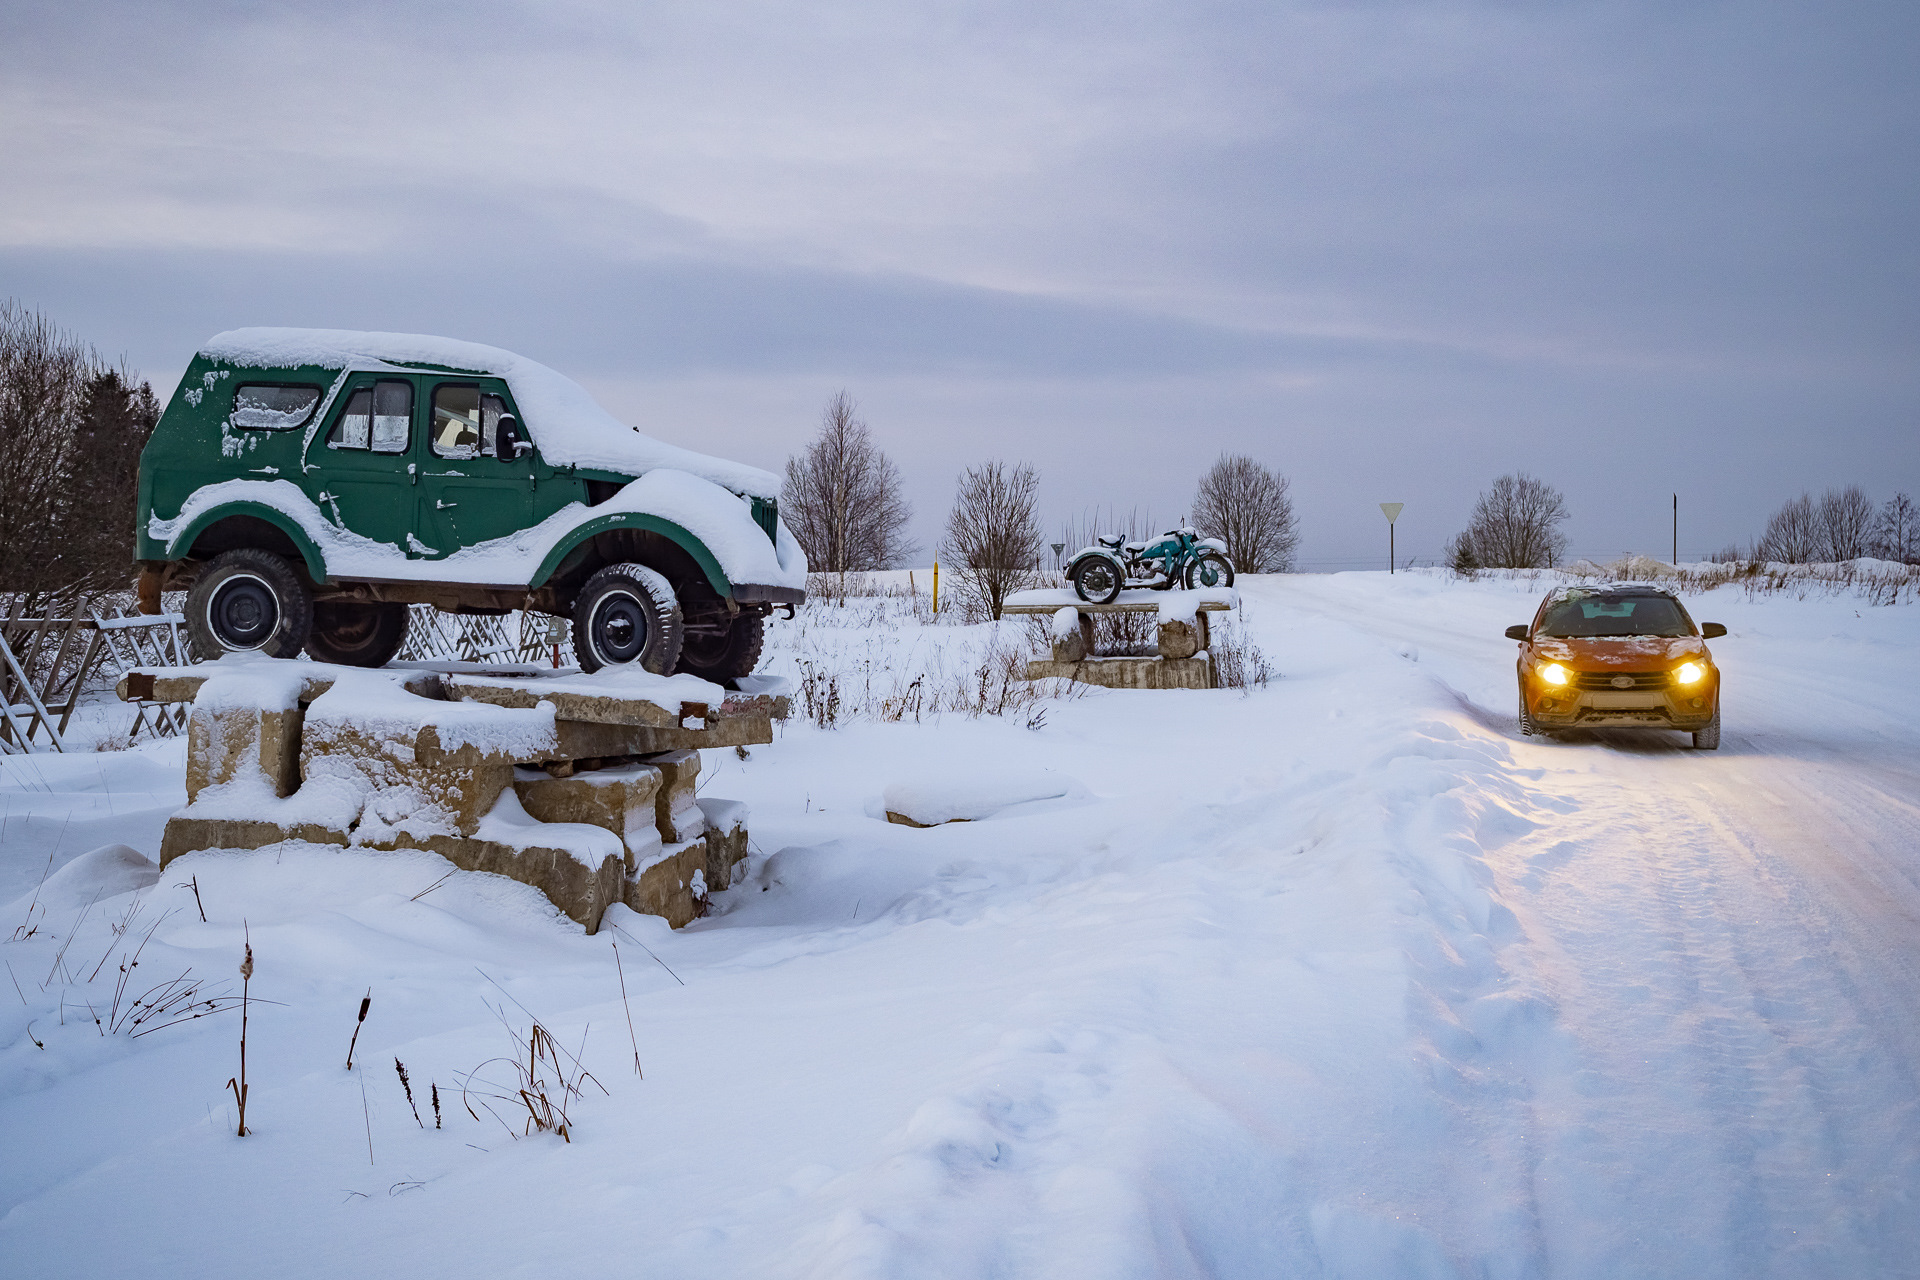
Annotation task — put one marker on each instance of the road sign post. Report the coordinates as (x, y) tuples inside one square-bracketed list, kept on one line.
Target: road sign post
[(1392, 512)]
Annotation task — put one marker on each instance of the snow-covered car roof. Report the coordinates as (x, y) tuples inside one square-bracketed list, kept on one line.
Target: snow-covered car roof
[(1575, 590), (566, 423)]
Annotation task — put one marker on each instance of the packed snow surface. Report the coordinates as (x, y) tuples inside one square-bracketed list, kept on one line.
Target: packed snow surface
[(1340, 978)]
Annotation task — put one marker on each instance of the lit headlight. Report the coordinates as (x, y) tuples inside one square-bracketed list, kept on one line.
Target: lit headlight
[(1554, 673), (1689, 673)]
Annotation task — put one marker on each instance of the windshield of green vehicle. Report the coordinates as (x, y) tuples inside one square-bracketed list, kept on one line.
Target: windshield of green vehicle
[(1598, 616)]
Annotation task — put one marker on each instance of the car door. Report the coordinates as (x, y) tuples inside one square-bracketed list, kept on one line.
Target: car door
[(469, 493), (360, 470)]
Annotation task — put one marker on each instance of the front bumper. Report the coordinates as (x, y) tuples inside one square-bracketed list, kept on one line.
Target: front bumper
[(1564, 707)]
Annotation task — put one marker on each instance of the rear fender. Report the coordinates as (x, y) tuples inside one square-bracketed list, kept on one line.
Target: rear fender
[(716, 577), (181, 545)]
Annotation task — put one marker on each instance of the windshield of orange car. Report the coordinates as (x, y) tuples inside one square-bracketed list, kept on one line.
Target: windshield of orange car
[(1586, 617)]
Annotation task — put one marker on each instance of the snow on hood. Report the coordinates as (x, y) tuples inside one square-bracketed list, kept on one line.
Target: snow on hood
[(568, 424), (1623, 652)]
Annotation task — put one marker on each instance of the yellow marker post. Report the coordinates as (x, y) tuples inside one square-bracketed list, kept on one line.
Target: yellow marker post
[(936, 586)]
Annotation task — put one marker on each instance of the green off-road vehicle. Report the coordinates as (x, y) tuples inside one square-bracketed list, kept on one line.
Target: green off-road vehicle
[(306, 485)]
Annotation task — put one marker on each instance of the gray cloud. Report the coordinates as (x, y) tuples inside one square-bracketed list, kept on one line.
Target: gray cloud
[(1388, 246)]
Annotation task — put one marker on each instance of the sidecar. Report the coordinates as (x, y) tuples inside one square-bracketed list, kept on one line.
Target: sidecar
[(1098, 572)]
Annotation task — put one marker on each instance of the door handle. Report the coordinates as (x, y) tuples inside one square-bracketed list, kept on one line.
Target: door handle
[(413, 474), (443, 506)]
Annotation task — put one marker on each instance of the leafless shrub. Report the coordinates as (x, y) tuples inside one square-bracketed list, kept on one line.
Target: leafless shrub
[(1515, 525), (1247, 507), (993, 537), (1792, 535), (841, 498), (1238, 663), (1897, 532), (1846, 524)]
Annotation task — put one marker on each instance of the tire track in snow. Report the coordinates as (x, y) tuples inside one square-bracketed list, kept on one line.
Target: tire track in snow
[(1729, 945)]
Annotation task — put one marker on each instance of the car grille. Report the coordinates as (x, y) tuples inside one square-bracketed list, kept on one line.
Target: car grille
[(1605, 679)]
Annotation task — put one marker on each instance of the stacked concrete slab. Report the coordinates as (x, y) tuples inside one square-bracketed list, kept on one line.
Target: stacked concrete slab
[(583, 787)]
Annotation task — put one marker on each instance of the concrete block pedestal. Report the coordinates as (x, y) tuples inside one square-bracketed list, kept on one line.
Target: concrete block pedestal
[(592, 805)]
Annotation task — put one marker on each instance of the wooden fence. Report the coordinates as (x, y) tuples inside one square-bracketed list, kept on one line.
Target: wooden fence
[(47, 664)]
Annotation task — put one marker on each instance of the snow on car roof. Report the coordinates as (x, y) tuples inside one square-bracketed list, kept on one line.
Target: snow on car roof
[(1575, 590), (568, 424)]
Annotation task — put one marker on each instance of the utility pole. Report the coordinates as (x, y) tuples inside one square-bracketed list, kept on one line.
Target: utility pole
[(1392, 511), (1676, 531)]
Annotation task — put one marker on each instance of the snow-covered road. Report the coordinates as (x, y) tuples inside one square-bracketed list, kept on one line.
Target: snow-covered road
[(1343, 978)]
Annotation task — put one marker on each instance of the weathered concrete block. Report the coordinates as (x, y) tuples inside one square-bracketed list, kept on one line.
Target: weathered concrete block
[(1072, 643), (190, 835), (581, 892), (1130, 673), (409, 778), (673, 887), (230, 742), (726, 840), (675, 811), (1183, 638), (620, 800)]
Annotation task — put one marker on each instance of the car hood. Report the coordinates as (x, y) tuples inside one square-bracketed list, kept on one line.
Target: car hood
[(1627, 653)]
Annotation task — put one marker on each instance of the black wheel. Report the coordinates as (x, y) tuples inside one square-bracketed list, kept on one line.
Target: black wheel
[(1526, 716), (627, 613), (1209, 570), (248, 601), (1708, 738), (724, 656), (1096, 581), (357, 635)]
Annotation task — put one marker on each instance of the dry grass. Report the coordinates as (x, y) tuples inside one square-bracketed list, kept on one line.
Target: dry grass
[(547, 1080)]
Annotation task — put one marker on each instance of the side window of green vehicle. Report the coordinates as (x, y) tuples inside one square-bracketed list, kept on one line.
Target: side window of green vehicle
[(466, 421), (379, 417), (273, 406)]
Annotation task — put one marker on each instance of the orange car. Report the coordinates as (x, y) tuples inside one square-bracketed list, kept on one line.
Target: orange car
[(1618, 655)]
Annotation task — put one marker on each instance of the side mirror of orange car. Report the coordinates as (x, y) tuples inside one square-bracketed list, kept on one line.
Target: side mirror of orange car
[(1711, 631), (1518, 631)]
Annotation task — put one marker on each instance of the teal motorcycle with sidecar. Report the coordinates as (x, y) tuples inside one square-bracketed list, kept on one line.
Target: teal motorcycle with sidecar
[(1178, 557)]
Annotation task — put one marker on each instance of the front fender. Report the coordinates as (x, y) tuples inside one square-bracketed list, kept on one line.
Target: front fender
[(1097, 553), (181, 543), (635, 520)]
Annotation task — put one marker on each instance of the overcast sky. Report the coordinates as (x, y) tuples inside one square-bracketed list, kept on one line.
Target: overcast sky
[(1392, 249)]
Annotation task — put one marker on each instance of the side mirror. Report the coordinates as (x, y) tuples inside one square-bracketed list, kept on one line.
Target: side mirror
[(507, 441), (1711, 631), (1517, 632)]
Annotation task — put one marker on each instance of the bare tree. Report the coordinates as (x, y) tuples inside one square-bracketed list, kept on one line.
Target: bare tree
[(1793, 534), (1897, 535), (993, 536), (1516, 524), (1247, 507), (1846, 524), (71, 431), (841, 498)]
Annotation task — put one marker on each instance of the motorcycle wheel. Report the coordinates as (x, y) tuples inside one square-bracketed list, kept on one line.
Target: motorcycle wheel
[(1096, 581), (1209, 570)]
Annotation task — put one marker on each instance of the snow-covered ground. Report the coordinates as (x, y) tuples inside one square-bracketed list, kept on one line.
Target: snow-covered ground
[(1339, 977)]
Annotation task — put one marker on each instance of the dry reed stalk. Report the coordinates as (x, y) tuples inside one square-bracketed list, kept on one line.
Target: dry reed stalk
[(401, 1067), (366, 1002), (239, 1086), (621, 970)]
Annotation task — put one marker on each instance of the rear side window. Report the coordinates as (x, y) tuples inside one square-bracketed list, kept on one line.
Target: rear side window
[(466, 421), (379, 418), (273, 406)]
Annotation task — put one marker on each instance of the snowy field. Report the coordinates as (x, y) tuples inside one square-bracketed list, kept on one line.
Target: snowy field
[(1337, 977)]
